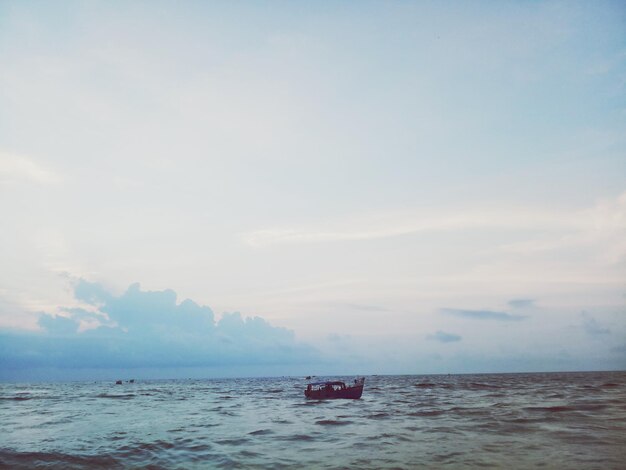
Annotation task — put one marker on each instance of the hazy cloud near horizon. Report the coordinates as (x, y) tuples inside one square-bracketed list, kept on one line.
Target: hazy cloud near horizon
[(521, 303), (444, 337), (592, 327), (482, 314)]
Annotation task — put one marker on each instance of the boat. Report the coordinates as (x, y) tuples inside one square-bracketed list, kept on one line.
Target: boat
[(335, 389)]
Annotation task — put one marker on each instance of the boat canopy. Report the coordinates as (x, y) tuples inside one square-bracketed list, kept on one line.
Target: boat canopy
[(327, 383)]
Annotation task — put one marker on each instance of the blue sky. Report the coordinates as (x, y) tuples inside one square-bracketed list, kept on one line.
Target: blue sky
[(407, 187)]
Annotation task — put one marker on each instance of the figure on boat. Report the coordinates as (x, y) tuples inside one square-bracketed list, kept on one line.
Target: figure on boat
[(335, 389)]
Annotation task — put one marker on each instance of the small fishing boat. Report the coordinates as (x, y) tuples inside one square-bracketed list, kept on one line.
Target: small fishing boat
[(336, 389)]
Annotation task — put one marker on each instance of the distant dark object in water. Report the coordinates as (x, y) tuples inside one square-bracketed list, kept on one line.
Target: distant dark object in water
[(308, 377), (131, 381), (119, 382), (331, 390)]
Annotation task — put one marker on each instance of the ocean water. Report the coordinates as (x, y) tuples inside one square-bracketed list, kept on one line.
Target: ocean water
[(555, 420)]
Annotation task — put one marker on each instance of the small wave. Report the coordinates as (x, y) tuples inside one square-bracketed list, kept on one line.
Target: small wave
[(551, 409), (204, 425), (261, 432), (468, 411), (298, 437), (443, 430), (332, 422), (610, 384), (526, 421), (249, 453), (19, 398), (384, 435), (127, 396), (147, 446), (500, 405), (426, 413), (433, 385), (54, 459), (482, 386), (199, 448), (233, 442), (311, 403), (591, 407)]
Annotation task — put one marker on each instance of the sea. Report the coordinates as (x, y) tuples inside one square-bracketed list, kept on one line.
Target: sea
[(540, 420)]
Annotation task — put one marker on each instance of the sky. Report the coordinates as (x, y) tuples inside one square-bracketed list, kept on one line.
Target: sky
[(296, 188)]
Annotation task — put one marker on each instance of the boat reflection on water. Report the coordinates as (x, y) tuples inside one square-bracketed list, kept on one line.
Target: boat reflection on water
[(335, 389)]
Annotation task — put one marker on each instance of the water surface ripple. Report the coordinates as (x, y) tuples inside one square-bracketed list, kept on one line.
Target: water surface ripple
[(556, 420)]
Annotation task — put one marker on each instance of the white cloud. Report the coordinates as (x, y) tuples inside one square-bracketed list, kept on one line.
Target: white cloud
[(19, 168), (273, 236), (603, 226)]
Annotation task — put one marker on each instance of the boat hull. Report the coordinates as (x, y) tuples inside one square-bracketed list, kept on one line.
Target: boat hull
[(353, 393)]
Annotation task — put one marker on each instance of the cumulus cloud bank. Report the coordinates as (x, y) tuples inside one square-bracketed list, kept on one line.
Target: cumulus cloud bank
[(143, 329)]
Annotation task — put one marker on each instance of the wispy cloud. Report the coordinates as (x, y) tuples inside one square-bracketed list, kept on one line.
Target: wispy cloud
[(482, 314), (277, 236), (444, 337), (19, 168), (621, 350), (592, 327), (521, 303), (335, 337), (605, 216), (366, 308)]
